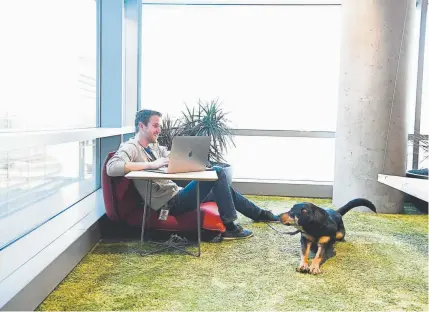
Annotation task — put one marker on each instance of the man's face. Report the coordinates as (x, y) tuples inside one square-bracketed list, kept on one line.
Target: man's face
[(152, 130)]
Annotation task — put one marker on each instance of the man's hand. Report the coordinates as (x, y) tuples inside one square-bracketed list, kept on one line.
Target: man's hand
[(136, 166), (160, 162)]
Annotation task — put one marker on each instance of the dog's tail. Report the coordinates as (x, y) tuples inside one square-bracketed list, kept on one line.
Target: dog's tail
[(356, 203)]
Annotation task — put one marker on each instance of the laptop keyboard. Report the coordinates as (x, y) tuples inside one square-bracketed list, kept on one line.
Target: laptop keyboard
[(164, 169)]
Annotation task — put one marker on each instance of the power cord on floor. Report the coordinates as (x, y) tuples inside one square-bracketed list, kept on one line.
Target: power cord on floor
[(176, 241), (286, 233)]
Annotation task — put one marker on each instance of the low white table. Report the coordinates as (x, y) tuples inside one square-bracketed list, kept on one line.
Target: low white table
[(151, 176), (416, 187)]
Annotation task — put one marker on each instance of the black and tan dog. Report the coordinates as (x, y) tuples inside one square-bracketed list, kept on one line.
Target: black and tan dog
[(320, 228)]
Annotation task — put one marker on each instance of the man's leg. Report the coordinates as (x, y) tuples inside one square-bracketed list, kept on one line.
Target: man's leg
[(250, 210), (245, 206), (242, 204), (185, 201), (221, 193)]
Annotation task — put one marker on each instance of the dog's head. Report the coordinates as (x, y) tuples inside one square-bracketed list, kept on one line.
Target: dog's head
[(299, 215)]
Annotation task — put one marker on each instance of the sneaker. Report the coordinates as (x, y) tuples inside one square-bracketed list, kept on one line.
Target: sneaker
[(268, 216), (238, 233)]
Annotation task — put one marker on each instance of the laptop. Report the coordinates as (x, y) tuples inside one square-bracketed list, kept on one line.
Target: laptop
[(188, 154)]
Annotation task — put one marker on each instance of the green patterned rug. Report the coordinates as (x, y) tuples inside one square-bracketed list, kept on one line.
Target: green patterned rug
[(382, 266)]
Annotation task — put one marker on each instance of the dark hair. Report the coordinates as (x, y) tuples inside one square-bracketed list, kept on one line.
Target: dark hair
[(143, 116)]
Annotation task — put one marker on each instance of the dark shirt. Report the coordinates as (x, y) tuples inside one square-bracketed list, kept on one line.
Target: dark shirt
[(147, 149)]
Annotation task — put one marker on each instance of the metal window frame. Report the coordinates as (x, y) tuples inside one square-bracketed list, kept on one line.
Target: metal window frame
[(242, 2), (19, 140), (284, 133), (419, 88)]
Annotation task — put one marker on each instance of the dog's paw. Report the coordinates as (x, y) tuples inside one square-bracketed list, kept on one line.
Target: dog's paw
[(315, 269), (303, 268)]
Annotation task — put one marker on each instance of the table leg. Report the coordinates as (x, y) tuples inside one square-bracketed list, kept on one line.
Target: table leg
[(147, 206), (144, 215), (164, 246), (150, 200), (198, 219)]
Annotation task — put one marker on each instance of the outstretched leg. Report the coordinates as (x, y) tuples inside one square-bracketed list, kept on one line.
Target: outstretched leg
[(241, 203), (320, 255), (305, 251), (185, 199)]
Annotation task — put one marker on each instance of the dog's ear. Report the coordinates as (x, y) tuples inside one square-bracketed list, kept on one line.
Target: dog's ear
[(305, 217)]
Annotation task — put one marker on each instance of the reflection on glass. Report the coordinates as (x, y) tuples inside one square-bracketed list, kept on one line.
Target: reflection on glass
[(60, 173), (49, 67)]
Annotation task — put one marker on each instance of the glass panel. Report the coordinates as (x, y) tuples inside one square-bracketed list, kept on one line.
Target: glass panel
[(277, 68), (304, 159), (274, 158), (423, 158), (410, 155), (49, 66), (38, 183), (308, 159)]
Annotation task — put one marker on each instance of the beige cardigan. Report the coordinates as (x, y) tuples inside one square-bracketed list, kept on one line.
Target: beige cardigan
[(132, 151)]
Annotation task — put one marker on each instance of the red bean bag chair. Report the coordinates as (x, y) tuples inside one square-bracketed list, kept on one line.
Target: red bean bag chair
[(123, 203)]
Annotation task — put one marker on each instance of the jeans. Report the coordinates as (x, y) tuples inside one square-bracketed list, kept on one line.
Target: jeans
[(228, 200)]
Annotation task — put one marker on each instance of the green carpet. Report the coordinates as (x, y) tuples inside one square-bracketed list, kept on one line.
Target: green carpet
[(382, 266)]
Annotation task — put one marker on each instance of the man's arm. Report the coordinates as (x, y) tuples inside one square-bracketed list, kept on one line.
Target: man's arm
[(124, 161), (135, 166)]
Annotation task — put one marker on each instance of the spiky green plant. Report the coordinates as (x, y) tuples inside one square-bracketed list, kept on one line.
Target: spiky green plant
[(169, 129), (209, 119)]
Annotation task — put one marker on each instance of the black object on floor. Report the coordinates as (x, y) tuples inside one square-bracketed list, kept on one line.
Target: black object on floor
[(120, 231)]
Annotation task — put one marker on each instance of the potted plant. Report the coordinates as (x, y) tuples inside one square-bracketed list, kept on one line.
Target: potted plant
[(422, 173), (169, 129), (208, 119)]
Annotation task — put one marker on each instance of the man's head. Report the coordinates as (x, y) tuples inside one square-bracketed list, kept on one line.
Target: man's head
[(148, 124)]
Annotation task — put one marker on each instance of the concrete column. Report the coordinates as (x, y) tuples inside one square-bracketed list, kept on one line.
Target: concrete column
[(371, 133)]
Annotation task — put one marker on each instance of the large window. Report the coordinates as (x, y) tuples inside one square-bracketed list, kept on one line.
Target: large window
[(48, 65), (282, 158), (48, 76), (272, 67)]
